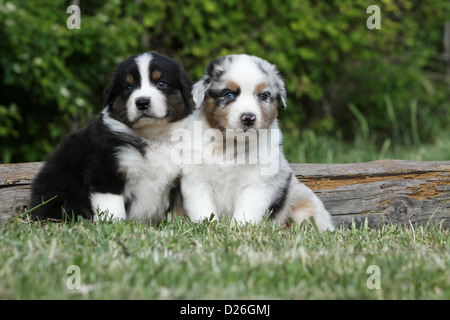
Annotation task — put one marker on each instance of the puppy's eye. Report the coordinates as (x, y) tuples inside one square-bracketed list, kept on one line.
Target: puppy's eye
[(263, 96), (161, 84), (128, 87), (229, 95)]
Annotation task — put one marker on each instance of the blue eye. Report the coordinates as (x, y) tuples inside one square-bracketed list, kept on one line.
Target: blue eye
[(161, 84), (263, 96), (229, 95)]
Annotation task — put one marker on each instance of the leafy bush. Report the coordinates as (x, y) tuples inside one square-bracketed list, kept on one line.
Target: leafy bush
[(52, 78)]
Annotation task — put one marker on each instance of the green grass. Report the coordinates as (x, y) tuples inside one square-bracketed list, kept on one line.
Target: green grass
[(312, 148), (428, 141), (211, 260)]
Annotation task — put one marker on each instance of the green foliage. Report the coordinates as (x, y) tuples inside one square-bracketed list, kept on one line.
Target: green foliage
[(52, 78)]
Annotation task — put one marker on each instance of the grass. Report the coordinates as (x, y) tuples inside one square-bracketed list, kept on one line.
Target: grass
[(312, 148), (210, 260), (428, 141)]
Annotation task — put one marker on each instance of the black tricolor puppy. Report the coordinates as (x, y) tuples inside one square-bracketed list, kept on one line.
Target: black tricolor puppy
[(120, 163)]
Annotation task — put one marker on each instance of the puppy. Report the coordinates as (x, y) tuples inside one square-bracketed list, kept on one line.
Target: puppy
[(118, 165), (236, 166)]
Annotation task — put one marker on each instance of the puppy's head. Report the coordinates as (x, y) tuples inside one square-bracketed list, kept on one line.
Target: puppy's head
[(240, 92), (148, 88)]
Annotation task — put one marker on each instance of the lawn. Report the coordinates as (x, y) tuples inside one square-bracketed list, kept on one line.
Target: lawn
[(210, 260)]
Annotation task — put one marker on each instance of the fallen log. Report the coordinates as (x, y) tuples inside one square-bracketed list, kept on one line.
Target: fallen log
[(384, 191)]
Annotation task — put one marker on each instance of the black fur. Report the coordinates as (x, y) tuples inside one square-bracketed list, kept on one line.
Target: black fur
[(82, 164), (280, 198), (213, 70)]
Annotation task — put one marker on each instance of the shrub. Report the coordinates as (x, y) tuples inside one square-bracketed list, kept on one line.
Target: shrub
[(52, 78)]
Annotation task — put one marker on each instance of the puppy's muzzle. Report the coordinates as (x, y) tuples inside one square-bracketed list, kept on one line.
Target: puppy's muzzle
[(248, 119)]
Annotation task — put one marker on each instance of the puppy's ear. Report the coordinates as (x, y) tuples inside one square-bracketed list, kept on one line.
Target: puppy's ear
[(107, 95), (185, 83), (214, 71), (199, 91), (282, 95), (111, 91)]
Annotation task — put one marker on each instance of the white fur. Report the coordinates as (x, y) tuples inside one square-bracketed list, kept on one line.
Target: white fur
[(108, 206), (245, 191), (198, 92)]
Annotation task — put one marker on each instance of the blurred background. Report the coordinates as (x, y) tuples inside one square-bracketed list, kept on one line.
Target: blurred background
[(354, 94)]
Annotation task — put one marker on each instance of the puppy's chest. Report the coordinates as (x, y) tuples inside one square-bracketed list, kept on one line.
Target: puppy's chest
[(152, 169), (232, 178)]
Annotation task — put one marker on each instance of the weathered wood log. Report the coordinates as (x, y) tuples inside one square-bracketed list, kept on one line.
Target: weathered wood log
[(15, 187), (385, 191)]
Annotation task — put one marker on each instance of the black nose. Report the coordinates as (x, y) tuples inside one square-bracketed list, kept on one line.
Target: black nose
[(142, 103), (248, 119)]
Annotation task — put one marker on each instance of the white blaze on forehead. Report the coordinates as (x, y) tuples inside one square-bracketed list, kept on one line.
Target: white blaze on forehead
[(245, 72), (158, 107), (143, 63)]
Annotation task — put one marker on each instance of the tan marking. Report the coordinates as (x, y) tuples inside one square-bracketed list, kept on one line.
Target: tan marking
[(304, 206), (260, 88), (233, 86), (217, 119), (156, 75), (268, 113), (303, 209), (130, 79)]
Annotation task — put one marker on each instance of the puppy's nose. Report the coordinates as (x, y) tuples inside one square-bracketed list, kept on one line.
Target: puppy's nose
[(248, 119), (142, 103)]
